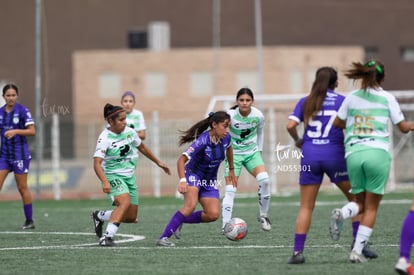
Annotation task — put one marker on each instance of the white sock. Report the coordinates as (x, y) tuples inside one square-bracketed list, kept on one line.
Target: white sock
[(227, 205), (105, 215), (111, 230), (350, 210), (264, 193), (364, 232)]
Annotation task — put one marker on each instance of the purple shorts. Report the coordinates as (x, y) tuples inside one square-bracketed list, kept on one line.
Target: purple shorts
[(315, 170), (207, 188), (16, 166)]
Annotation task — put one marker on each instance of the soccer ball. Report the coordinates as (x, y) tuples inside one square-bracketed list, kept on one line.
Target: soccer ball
[(235, 229)]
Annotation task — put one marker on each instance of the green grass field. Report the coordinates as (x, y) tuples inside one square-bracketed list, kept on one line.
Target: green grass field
[(63, 241)]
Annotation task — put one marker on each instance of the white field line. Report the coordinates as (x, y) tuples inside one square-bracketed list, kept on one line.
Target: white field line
[(225, 247), (132, 238), (128, 238)]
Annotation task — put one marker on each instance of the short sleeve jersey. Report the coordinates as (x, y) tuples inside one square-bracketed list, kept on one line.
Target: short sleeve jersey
[(205, 156), (244, 131), (17, 147), (118, 151), (367, 114), (135, 120), (320, 130)]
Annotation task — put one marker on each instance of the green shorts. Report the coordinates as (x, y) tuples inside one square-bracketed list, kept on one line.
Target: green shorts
[(249, 161), (122, 185), (368, 170)]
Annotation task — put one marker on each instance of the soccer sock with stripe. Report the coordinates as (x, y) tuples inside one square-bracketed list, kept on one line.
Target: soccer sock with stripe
[(194, 217), (227, 204), (176, 220), (111, 229), (350, 210), (105, 215), (299, 243), (263, 193), (364, 232), (28, 211)]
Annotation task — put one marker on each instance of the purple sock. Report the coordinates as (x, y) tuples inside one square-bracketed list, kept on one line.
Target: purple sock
[(355, 226), (28, 211), (299, 243), (407, 236), (174, 223), (194, 217)]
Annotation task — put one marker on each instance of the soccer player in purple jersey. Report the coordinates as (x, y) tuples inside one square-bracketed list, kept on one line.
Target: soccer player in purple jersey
[(323, 152), (197, 169), (404, 265), (16, 123)]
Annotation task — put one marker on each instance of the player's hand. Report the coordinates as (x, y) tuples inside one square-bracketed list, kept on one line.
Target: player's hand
[(106, 188), (299, 143), (182, 187), (164, 167), (233, 178), (9, 134)]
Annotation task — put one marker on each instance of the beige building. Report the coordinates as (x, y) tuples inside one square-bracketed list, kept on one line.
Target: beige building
[(179, 83)]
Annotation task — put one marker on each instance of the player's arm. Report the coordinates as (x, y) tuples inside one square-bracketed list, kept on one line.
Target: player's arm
[(182, 185), (293, 131), (141, 131), (406, 126), (260, 135), (142, 134), (97, 167), (148, 153), (339, 123), (229, 156), (29, 131)]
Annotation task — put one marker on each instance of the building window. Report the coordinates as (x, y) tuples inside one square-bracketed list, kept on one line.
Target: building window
[(109, 85), (247, 79), (407, 54), (201, 84), (156, 84)]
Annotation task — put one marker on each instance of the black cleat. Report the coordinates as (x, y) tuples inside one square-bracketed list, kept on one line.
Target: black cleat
[(107, 241), (97, 223), (366, 251), (28, 225), (297, 258)]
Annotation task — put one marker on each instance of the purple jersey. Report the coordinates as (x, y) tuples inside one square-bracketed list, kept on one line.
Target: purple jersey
[(15, 148), (205, 157), (320, 130)]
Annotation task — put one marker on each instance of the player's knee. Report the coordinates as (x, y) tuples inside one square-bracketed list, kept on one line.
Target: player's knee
[(263, 178), (213, 215), (23, 189)]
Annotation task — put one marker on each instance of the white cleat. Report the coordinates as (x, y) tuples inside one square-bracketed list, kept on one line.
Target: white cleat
[(266, 224)]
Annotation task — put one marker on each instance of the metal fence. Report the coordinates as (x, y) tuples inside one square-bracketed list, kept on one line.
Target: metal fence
[(76, 177)]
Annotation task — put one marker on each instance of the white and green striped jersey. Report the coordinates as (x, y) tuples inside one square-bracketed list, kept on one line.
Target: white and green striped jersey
[(135, 120), (118, 151), (246, 131), (367, 114)]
